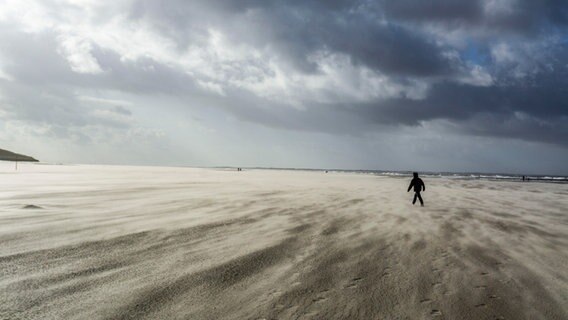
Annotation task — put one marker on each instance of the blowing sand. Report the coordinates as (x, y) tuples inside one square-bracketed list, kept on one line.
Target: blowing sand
[(96, 242)]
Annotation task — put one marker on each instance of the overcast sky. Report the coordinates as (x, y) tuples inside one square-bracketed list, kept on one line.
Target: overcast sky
[(441, 85)]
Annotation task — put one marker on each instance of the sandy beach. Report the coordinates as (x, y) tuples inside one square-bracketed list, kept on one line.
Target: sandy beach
[(111, 242)]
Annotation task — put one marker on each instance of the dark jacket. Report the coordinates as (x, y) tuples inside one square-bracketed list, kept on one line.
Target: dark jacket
[(418, 185)]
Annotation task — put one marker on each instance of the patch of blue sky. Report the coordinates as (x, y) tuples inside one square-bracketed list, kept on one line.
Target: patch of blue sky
[(476, 54)]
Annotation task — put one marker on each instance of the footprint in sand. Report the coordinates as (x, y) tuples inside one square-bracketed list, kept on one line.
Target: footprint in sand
[(481, 305), (436, 312), (31, 206), (278, 306), (274, 293), (319, 299), (354, 282), (425, 301), (310, 314), (437, 272)]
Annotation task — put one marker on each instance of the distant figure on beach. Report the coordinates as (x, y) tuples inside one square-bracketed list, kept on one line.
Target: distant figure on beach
[(419, 186)]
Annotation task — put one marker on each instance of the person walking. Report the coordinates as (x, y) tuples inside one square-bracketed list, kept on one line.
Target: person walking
[(419, 186)]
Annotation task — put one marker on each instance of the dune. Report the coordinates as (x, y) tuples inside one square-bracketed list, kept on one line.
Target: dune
[(106, 242)]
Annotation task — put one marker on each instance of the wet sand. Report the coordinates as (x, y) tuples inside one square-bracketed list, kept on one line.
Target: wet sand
[(101, 242)]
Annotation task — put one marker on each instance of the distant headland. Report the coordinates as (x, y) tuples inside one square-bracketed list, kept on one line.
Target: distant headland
[(6, 155)]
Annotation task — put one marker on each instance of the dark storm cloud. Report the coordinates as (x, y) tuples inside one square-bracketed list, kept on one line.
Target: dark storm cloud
[(523, 16), (437, 10), (517, 126), (532, 107), (531, 16), (542, 95), (536, 114), (512, 112), (298, 29)]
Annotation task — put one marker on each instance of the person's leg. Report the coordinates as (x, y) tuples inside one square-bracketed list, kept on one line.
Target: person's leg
[(420, 198), (414, 201)]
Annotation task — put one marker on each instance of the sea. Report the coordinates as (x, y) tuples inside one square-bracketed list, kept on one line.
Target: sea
[(447, 175)]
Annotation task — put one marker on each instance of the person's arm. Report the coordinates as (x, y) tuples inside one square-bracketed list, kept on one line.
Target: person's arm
[(423, 186), (410, 186)]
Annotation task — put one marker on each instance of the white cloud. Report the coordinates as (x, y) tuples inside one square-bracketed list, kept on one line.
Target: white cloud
[(115, 102), (478, 76), (211, 86), (77, 51), (502, 53), (112, 116), (27, 15), (5, 76)]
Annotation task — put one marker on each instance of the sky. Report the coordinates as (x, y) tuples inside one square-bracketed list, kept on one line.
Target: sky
[(440, 85)]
